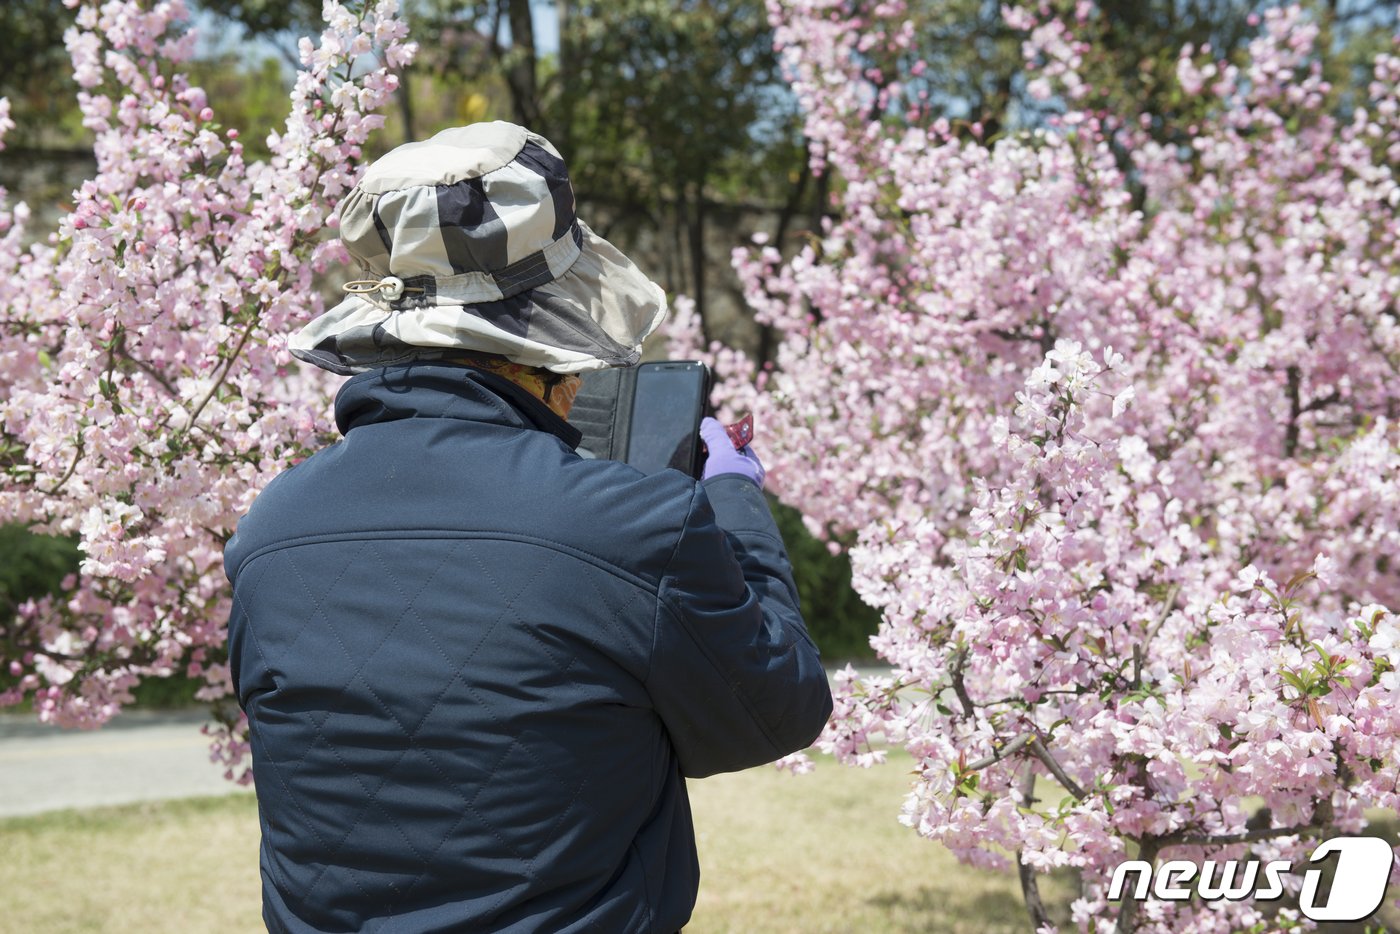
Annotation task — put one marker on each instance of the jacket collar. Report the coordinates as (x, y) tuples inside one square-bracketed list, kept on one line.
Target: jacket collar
[(444, 390)]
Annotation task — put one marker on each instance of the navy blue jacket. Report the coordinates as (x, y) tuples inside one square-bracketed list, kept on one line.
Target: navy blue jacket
[(477, 667)]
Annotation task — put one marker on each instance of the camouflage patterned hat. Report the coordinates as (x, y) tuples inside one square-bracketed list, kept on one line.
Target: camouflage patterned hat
[(469, 242)]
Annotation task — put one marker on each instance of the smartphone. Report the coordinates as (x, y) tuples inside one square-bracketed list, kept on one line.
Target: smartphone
[(670, 399)]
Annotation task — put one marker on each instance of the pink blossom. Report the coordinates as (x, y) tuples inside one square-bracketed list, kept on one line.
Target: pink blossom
[(143, 360), (1123, 481)]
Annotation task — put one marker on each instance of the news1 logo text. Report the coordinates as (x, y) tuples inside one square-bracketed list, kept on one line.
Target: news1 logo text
[(1358, 886)]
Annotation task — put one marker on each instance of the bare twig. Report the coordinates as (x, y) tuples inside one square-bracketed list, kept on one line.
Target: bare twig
[(149, 370), (955, 675), (1168, 605), (1139, 650), (228, 367), (72, 469)]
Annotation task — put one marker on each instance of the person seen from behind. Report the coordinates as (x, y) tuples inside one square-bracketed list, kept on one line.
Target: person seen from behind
[(478, 667)]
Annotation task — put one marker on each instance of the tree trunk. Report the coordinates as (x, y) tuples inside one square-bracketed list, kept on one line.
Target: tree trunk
[(1030, 891), (1030, 886), (521, 75), (697, 257), (767, 338), (674, 259), (1127, 911), (819, 208), (794, 201), (563, 79), (405, 97)]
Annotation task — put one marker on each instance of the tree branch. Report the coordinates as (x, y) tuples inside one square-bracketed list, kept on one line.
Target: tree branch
[(1168, 605), (1044, 755), (155, 375), (955, 675), (72, 468), (1179, 838), (228, 367), (1127, 912), (1005, 752)]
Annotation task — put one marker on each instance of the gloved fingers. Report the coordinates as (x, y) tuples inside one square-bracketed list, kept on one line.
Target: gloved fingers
[(724, 459), (748, 451), (755, 465), (713, 433)]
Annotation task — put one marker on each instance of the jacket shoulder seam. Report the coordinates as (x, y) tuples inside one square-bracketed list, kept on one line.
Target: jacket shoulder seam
[(603, 564)]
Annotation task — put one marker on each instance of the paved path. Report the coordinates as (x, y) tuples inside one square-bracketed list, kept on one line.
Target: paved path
[(139, 756)]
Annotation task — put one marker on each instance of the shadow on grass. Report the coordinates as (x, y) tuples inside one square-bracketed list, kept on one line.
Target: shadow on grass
[(931, 909)]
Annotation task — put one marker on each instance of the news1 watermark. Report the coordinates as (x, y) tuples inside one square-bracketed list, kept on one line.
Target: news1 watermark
[(1358, 885)]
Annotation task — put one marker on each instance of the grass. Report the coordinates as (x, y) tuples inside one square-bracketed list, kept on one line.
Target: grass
[(824, 853), (817, 853), (182, 866)]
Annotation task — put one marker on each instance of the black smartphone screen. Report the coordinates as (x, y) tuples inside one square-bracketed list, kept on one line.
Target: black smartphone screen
[(666, 414)]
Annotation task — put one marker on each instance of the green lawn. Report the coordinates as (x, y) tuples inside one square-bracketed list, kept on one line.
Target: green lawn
[(816, 853)]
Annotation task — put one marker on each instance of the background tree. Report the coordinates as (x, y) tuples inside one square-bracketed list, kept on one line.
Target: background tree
[(268, 17), (35, 72), (670, 114)]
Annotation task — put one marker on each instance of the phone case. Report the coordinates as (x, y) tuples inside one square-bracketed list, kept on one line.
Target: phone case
[(602, 411)]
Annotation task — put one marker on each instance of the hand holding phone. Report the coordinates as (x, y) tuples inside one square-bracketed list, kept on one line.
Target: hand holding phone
[(650, 417), (725, 458)]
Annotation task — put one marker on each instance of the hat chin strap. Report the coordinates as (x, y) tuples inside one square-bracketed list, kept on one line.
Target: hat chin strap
[(390, 288)]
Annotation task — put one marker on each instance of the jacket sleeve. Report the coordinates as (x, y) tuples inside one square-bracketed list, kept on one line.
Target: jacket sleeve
[(734, 675)]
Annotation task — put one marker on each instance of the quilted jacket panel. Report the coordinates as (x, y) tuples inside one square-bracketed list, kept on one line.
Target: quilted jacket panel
[(477, 668)]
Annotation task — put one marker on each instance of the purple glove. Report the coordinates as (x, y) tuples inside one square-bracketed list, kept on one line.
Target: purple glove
[(723, 459)]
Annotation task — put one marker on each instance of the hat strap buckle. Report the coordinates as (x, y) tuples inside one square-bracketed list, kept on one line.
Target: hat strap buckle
[(390, 287)]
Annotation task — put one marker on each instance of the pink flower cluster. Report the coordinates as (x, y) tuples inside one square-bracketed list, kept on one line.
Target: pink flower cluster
[(1114, 444), (145, 389)]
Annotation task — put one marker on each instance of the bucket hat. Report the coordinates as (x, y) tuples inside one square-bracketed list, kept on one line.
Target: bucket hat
[(469, 241)]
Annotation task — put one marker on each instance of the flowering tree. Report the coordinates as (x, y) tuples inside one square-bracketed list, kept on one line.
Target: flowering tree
[(144, 390), (1111, 429)]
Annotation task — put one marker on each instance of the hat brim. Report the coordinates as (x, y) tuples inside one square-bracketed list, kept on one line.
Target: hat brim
[(593, 316)]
